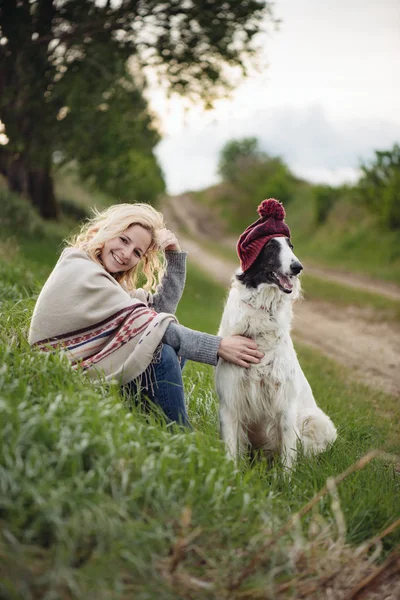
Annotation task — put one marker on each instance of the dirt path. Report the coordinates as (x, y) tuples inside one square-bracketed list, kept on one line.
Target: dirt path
[(371, 350)]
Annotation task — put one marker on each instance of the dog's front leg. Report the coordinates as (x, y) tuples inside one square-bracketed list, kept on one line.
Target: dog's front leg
[(290, 436), (232, 434)]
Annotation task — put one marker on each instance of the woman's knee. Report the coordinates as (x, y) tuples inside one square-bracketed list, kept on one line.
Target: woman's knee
[(170, 361), (168, 353)]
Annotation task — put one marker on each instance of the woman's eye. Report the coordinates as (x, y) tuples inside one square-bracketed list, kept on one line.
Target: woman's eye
[(137, 253), (123, 240)]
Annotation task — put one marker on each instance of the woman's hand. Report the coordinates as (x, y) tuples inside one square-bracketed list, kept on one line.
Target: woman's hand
[(167, 241), (239, 350)]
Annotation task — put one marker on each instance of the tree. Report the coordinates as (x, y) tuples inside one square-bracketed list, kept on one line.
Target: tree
[(45, 43), (107, 130), (379, 186), (237, 156), (254, 172), (250, 175)]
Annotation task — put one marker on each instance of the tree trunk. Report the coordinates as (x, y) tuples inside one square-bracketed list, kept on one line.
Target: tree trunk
[(17, 176), (41, 192), (33, 181)]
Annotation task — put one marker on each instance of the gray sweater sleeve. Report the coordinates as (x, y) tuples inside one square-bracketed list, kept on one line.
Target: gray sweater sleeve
[(169, 292), (194, 345)]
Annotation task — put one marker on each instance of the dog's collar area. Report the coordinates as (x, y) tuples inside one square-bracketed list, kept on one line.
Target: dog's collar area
[(256, 307)]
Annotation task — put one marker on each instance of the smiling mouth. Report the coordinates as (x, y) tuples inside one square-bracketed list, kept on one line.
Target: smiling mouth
[(283, 282), (118, 260)]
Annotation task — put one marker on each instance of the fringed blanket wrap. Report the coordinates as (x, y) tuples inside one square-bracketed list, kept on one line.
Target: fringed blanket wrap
[(86, 313)]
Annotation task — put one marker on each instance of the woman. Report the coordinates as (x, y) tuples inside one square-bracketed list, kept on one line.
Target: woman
[(91, 308)]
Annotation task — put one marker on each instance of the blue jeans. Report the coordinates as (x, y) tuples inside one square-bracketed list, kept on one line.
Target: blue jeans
[(166, 389)]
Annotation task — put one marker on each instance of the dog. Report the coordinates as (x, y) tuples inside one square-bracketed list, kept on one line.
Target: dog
[(270, 405)]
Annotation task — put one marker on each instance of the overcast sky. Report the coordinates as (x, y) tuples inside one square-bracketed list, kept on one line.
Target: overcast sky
[(330, 96)]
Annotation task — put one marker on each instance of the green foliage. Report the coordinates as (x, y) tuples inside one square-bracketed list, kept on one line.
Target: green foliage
[(380, 186), (17, 215), (325, 197), (251, 176), (267, 178), (238, 155), (108, 129)]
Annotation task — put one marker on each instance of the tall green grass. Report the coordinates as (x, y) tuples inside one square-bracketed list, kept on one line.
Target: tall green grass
[(101, 500), (376, 307)]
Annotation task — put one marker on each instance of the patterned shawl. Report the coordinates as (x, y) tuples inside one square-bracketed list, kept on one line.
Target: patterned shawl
[(84, 312)]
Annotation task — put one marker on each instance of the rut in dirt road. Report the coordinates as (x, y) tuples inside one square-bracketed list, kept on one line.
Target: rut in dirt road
[(371, 350)]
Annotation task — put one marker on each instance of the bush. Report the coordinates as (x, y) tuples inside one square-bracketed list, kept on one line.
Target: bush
[(325, 197), (17, 215), (391, 202), (269, 178), (252, 175), (237, 155), (379, 186)]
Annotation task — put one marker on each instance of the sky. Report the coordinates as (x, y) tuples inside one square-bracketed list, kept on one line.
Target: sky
[(329, 97)]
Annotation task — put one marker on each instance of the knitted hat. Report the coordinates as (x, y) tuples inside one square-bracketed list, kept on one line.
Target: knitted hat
[(269, 225)]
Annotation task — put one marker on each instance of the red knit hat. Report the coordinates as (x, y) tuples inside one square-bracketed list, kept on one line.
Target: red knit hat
[(269, 225)]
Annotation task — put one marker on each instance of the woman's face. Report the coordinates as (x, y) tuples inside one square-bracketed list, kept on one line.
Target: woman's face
[(123, 252)]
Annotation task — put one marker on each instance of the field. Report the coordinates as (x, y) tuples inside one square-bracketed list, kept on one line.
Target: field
[(98, 500)]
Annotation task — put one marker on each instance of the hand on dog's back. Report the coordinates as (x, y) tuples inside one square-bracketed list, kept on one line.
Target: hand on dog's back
[(239, 350)]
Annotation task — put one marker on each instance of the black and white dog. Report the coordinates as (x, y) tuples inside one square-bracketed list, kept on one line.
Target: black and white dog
[(269, 406)]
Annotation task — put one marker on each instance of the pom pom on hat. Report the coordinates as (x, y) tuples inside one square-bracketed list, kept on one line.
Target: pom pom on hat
[(270, 224), (271, 208)]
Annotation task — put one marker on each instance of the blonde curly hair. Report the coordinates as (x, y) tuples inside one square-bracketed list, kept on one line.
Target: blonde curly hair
[(113, 221)]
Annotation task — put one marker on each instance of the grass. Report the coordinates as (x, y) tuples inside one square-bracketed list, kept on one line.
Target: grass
[(378, 307), (100, 500), (203, 302), (72, 192)]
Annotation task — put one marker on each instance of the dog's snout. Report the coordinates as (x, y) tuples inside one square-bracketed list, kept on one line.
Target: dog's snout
[(296, 268)]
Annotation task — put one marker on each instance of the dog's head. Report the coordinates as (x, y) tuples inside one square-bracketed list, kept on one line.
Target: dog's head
[(275, 265)]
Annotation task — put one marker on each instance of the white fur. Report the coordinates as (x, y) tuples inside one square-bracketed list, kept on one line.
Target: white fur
[(270, 405)]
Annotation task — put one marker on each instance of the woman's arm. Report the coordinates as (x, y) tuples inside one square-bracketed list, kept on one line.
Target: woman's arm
[(206, 348), (170, 290)]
